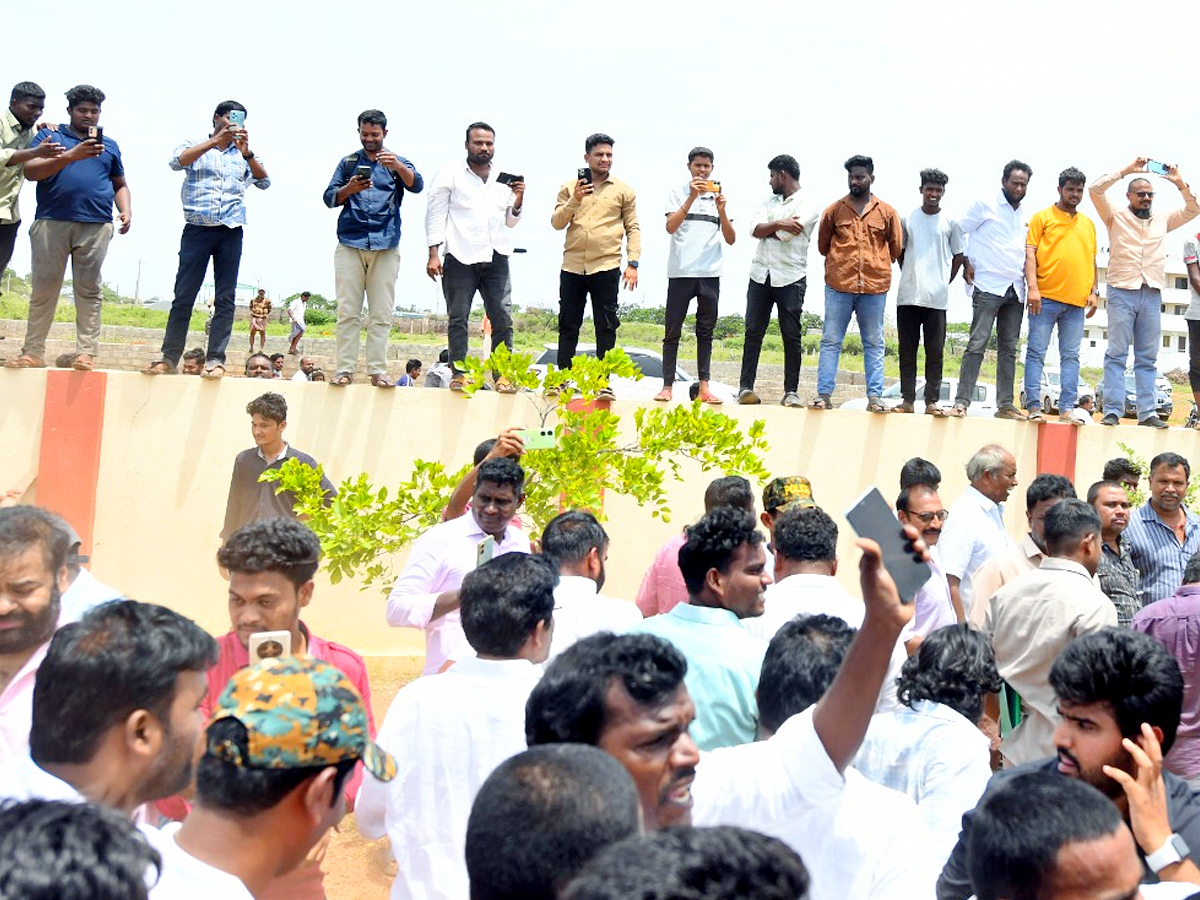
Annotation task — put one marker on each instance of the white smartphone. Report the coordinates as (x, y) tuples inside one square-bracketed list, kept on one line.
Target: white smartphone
[(485, 551), (270, 645)]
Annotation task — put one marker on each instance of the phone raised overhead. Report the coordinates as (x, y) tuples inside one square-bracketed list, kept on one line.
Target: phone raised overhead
[(871, 517)]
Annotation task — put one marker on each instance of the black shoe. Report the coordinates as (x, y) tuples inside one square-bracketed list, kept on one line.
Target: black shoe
[(1110, 419), (1153, 422)]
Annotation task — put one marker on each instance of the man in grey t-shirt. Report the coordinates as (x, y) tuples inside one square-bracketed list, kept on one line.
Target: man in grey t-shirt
[(933, 254), (697, 223)]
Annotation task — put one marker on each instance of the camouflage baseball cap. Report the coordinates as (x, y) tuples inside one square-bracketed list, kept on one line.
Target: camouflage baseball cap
[(299, 712), (789, 492)]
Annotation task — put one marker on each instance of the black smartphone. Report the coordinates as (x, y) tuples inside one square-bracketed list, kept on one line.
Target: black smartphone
[(585, 175), (363, 172), (96, 133), (505, 178), (871, 517), (1153, 165)]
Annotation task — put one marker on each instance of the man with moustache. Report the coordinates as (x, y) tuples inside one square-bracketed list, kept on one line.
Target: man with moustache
[(1119, 698), (470, 212), (996, 233), (920, 506), (1136, 278), (369, 185), (25, 104), (1060, 271), (1118, 576), (1164, 534)]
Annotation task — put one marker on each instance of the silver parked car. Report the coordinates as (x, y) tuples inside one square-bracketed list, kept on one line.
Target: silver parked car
[(650, 364), (983, 400)]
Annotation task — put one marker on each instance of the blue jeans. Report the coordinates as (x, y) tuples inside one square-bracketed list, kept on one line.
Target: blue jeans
[(1134, 316), (868, 309), (197, 245), (1070, 334)]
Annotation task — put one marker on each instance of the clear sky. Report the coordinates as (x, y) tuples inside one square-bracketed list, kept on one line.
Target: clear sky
[(961, 86)]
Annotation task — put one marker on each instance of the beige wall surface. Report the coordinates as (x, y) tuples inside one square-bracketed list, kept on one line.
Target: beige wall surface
[(169, 444)]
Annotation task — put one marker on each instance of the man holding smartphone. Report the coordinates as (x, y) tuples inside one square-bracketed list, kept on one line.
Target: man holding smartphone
[(470, 211), (597, 212), (16, 133), (1136, 278), (369, 186)]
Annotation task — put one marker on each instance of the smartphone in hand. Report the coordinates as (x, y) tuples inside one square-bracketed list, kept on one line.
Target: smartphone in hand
[(872, 518), (363, 173), (269, 645), (237, 118), (585, 175), (1153, 165)]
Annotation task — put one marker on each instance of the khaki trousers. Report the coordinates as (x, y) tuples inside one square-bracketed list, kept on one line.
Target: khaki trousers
[(355, 272), (53, 242)]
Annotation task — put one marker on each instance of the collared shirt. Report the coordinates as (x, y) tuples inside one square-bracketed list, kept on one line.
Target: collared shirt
[(470, 215), (1183, 815), (214, 185), (596, 225), (1066, 254), (13, 137), (662, 586), (1157, 553), (439, 561), (724, 662), (697, 244), (447, 734), (859, 250), (370, 219), (974, 532), (1137, 250), (296, 310), (934, 755), (869, 844), (1029, 622), (84, 593), (1191, 255), (82, 191), (930, 244), (16, 709), (932, 606), (999, 570), (996, 245), (783, 257), (581, 610), (251, 500), (1120, 579), (1175, 623)]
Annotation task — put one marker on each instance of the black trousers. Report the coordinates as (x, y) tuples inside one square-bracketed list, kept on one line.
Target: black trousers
[(680, 292), (911, 322), (760, 298), (573, 292)]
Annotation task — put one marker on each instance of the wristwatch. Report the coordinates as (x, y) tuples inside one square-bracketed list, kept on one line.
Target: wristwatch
[(633, 264), (1173, 851)]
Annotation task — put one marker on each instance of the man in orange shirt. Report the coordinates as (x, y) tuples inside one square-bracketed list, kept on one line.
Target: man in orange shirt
[(860, 237)]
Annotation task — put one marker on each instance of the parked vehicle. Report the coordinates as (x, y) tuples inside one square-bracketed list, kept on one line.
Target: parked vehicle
[(983, 401), (1051, 388), (650, 364), (1164, 403)]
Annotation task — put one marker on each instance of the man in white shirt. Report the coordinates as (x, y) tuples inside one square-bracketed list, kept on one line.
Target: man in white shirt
[(304, 373), (284, 738), (448, 732), (296, 317), (784, 226), (933, 254), (84, 590), (426, 595), (577, 544), (470, 211), (996, 230), (114, 716), (920, 506), (626, 695), (974, 530), (869, 843)]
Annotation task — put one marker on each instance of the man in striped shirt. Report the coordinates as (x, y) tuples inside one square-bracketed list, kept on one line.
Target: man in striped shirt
[(1164, 534)]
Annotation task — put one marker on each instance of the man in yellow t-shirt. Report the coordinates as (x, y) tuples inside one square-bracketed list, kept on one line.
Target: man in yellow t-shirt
[(1060, 269)]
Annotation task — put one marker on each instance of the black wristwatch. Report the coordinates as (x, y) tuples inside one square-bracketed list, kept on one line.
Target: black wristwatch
[(633, 264), (248, 156)]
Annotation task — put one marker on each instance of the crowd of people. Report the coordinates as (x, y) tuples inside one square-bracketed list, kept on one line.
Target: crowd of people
[(1012, 260), (1026, 725)]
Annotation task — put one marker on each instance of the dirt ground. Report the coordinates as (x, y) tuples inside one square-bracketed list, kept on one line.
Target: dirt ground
[(355, 868)]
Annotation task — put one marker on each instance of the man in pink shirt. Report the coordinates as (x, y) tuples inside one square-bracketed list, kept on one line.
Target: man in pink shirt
[(33, 575)]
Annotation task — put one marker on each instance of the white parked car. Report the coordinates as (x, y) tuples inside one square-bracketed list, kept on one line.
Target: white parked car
[(1052, 387), (983, 401), (650, 364)]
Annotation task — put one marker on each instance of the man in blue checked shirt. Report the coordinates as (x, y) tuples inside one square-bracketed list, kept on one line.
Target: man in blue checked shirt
[(369, 186), (216, 174)]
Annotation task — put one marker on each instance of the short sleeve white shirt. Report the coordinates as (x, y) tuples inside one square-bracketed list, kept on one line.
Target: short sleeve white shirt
[(783, 256), (930, 245), (184, 877), (1191, 254), (696, 245), (580, 610)]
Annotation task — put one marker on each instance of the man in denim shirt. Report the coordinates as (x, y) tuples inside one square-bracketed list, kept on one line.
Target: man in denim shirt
[(369, 185)]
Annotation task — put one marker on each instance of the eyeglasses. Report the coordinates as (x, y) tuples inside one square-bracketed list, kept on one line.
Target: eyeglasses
[(1143, 194), (927, 517)]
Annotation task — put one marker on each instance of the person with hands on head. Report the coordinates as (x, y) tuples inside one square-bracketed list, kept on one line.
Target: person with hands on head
[(1136, 278), (17, 123), (469, 213), (369, 185), (698, 224), (508, 444), (76, 191)]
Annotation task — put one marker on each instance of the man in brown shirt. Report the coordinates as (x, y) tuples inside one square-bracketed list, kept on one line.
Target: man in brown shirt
[(860, 237), (597, 211)]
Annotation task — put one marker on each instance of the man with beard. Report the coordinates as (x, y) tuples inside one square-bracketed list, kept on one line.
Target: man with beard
[(1119, 700), (16, 132), (920, 506), (784, 227), (1119, 577), (470, 212), (369, 185), (116, 706), (1136, 278), (996, 233), (1060, 270), (33, 573), (426, 595), (1164, 534), (860, 237)]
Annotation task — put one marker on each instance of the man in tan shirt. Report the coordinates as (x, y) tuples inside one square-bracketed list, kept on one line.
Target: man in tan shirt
[(1136, 278), (598, 211)]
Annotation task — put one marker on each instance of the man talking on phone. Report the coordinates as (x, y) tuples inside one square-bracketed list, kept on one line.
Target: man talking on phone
[(597, 211), (470, 211), (1136, 278)]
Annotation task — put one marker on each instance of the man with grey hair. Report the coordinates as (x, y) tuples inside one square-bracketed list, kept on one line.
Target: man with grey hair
[(974, 529)]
